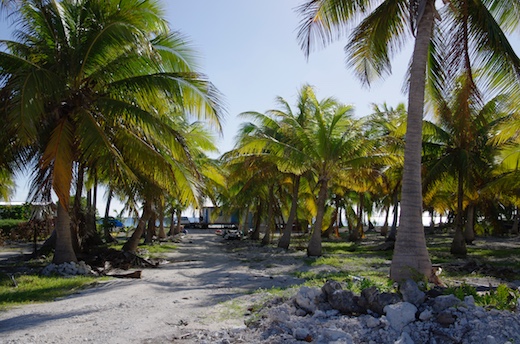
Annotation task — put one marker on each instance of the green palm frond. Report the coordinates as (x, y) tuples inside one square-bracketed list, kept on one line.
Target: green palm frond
[(376, 39)]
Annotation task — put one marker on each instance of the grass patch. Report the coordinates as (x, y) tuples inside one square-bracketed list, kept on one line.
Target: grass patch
[(35, 288), (353, 282), (152, 251), (488, 253)]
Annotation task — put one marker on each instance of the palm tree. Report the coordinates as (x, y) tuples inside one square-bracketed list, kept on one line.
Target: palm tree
[(96, 90), (330, 142)]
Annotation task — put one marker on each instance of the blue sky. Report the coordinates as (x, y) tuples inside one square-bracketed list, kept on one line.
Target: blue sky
[(250, 52)]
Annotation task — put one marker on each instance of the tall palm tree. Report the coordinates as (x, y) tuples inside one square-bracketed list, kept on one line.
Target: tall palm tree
[(90, 80), (331, 142), (382, 33)]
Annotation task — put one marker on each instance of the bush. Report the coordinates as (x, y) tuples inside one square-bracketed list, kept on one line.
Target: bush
[(503, 297), (16, 212), (8, 226), (22, 230)]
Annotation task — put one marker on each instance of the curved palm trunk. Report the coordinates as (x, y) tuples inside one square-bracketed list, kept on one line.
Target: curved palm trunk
[(458, 245), (285, 240), (132, 243), (410, 254), (314, 248), (64, 252)]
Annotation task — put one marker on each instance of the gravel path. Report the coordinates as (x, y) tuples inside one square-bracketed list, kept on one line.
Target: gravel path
[(195, 291)]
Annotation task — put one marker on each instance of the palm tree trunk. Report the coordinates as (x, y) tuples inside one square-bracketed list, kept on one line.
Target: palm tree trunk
[(285, 240), (150, 229), (77, 227), (172, 223), (90, 235), (384, 229), (469, 232), (258, 221), (357, 233), (458, 245), (178, 227), (162, 233), (245, 224), (432, 221), (410, 253), (133, 242), (106, 225), (266, 240), (393, 230), (314, 247), (64, 251)]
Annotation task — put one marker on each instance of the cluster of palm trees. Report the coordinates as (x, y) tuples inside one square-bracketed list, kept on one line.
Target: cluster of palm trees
[(460, 38), (311, 163), (102, 92)]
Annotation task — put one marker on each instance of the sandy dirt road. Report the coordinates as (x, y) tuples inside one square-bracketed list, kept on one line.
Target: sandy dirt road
[(192, 292)]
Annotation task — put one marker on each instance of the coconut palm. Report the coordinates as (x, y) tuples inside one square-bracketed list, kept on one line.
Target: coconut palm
[(93, 82), (330, 142)]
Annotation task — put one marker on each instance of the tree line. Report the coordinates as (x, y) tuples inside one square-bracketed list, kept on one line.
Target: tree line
[(106, 93)]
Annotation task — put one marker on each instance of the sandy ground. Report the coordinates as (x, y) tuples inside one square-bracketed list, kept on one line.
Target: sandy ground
[(206, 285)]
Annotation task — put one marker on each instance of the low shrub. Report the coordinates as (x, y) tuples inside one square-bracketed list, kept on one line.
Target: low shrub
[(502, 298)]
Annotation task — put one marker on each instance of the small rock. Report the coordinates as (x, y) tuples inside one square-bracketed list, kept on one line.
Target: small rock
[(345, 301), (400, 314), (425, 315), (411, 293), (300, 312), (330, 287), (300, 333), (491, 340), (307, 299), (444, 302), (372, 322), (469, 301), (404, 339), (446, 319)]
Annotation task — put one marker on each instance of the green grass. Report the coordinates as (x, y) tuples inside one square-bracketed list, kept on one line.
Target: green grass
[(35, 288), (153, 251)]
